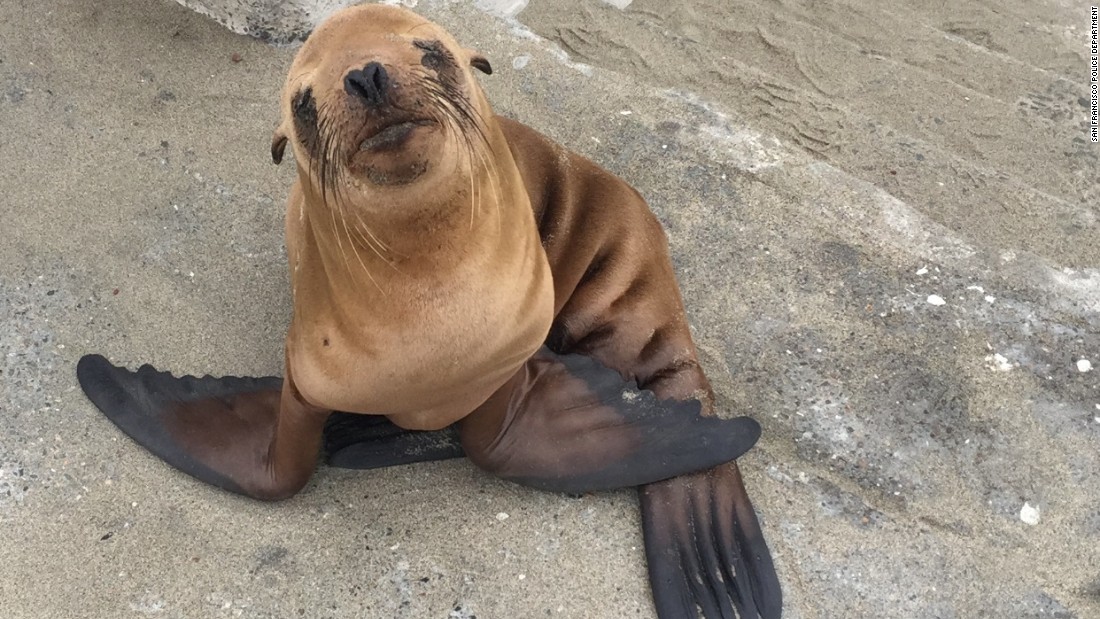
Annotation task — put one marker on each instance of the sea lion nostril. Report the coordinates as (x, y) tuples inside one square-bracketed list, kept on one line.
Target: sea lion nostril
[(369, 83)]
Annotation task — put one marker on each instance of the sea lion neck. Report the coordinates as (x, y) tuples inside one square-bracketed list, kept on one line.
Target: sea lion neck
[(461, 207), (400, 237)]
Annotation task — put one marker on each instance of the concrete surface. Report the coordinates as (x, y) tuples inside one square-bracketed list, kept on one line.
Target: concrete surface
[(884, 220)]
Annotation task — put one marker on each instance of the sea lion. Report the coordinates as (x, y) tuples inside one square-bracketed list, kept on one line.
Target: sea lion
[(461, 284)]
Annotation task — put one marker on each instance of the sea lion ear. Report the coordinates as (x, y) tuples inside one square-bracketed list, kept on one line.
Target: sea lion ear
[(278, 146), (481, 63)]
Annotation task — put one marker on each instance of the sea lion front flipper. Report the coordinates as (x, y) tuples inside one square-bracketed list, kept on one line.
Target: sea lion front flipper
[(704, 546), (252, 436), (566, 423), (372, 441)]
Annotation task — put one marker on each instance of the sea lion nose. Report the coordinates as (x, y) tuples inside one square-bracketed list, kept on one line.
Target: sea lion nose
[(368, 84)]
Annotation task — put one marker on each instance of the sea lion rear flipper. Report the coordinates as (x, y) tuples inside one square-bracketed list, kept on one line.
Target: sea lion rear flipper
[(251, 436), (704, 546), (373, 441), (566, 423)]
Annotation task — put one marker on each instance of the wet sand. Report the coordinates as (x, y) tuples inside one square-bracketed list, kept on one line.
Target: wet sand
[(885, 226)]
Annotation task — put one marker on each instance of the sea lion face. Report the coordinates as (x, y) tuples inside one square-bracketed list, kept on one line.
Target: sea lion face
[(378, 97)]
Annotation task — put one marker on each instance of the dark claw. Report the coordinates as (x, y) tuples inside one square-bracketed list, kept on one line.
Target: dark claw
[(372, 441), (137, 401), (706, 551), (130, 399), (566, 423)]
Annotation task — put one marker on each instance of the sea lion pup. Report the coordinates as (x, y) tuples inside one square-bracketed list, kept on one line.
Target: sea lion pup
[(454, 269)]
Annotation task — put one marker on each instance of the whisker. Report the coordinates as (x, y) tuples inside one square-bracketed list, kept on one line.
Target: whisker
[(359, 258), (458, 109), (447, 104)]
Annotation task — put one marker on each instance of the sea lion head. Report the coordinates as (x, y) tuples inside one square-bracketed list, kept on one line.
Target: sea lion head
[(380, 98)]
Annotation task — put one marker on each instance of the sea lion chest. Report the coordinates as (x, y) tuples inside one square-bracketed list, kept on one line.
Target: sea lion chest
[(424, 344)]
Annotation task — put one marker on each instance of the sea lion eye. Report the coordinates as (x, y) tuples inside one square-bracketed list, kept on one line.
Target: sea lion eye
[(304, 109), (435, 56)]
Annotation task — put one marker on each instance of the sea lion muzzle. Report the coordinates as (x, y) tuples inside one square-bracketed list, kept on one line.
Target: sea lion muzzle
[(368, 84)]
